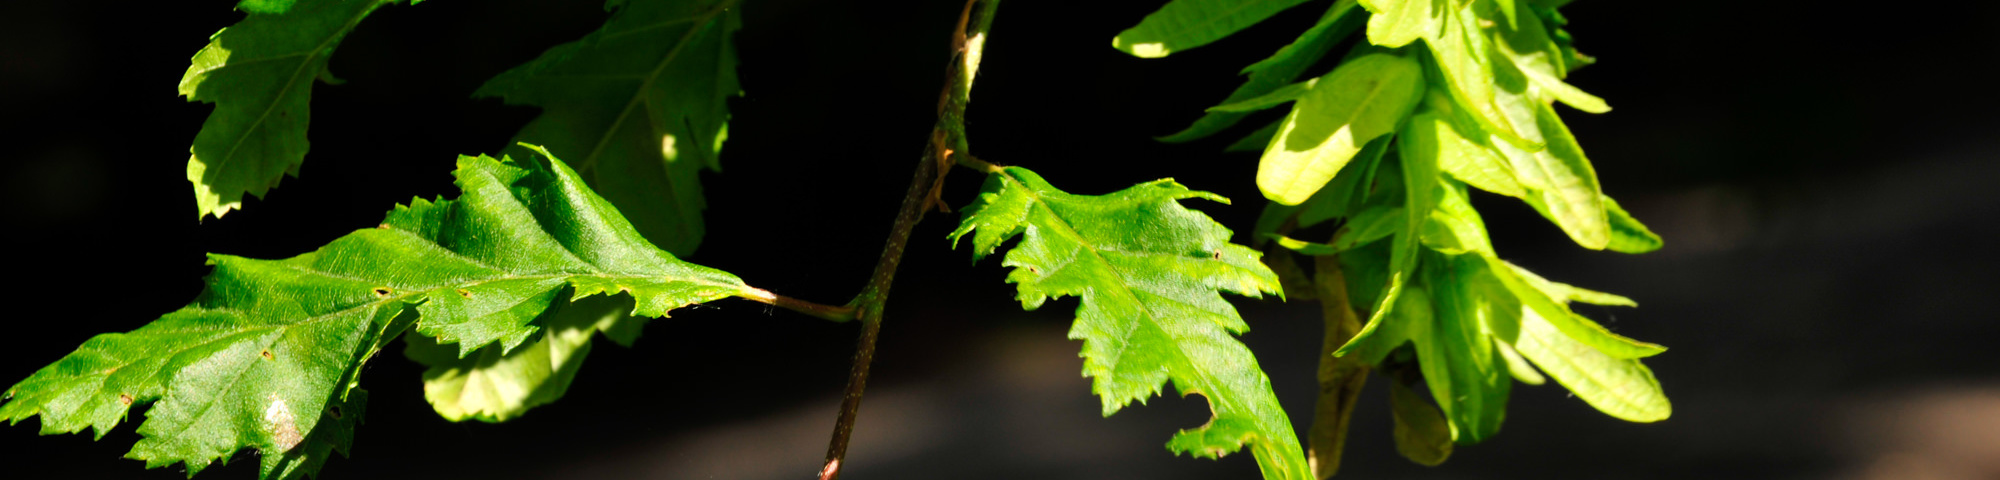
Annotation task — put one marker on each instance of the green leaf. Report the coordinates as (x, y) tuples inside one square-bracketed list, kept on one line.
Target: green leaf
[(1627, 234), (1620, 387), (491, 387), (1553, 20), (1565, 185), (1256, 140), (269, 345), (1546, 299), (1305, 247), (1364, 98), (1185, 24), (1418, 157), (1277, 97), (1474, 162), (1278, 70), (1373, 223), (1350, 189), (1149, 272), (335, 433), (259, 74), (1563, 292), (1396, 23), (1463, 54), (1454, 227), (640, 104), (1467, 376), (1413, 312), (1523, 371), (1540, 59)]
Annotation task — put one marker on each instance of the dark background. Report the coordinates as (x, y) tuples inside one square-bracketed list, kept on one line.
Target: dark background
[(1822, 175)]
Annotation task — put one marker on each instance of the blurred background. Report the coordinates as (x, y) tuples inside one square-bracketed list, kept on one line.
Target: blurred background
[(1823, 177)]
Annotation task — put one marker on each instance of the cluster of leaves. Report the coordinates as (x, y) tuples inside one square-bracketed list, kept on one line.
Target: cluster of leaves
[(1437, 96), (641, 103), (502, 290)]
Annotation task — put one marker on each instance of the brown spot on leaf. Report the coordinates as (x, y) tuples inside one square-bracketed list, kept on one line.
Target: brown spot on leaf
[(278, 420), (384, 226), (383, 291), (1033, 270), (125, 399), (465, 293), (267, 355), (1217, 255)]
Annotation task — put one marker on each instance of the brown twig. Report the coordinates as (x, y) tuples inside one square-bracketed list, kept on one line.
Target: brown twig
[(947, 140)]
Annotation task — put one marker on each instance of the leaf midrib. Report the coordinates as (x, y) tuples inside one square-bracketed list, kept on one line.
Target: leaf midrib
[(590, 162), (1068, 230), (293, 81), (267, 328), (1367, 101)]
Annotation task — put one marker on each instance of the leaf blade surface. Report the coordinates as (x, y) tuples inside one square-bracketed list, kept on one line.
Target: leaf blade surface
[(1149, 273)]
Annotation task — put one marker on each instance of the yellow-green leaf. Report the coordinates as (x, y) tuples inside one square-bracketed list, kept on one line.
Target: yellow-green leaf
[(1185, 24), (1149, 272), (1364, 98)]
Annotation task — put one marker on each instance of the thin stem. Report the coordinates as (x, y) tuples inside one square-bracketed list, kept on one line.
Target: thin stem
[(969, 161), (947, 141), (840, 313)]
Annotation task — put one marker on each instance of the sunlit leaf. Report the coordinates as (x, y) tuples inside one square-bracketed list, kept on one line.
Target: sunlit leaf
[(1538, 57), (272, 347), (1149, 272), (1566, 186), (1627, 234), (1185, 24), (1546, 299), (1364, 98), (1396, 23), (1620, 387), (1279, 69)]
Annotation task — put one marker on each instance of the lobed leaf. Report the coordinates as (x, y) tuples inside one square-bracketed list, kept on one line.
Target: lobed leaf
[(259, 74), (271, 349), (641, 104), (1149, 273)]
